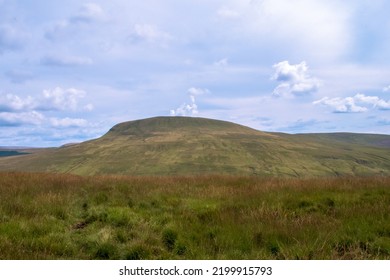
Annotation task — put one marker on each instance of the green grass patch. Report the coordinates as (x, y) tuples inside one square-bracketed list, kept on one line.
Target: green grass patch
[(52, 216)]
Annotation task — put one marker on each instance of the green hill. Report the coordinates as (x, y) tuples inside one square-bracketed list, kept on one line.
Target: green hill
[(188, 146)]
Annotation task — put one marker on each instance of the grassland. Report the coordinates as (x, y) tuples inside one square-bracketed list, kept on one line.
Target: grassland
[(58, 216)]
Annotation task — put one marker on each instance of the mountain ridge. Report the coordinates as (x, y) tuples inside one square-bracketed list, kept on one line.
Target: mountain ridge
[(196, 146)]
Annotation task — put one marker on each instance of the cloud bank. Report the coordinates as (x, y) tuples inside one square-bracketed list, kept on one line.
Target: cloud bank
[(356, 104), (16, 110)]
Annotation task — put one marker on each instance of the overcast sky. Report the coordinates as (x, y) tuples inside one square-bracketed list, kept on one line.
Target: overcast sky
[(70, 70)]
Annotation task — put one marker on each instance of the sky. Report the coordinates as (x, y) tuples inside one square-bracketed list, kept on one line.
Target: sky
[(70, 70)]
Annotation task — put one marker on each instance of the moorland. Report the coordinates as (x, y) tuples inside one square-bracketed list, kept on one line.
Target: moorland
[(62, 216), (193, 188)]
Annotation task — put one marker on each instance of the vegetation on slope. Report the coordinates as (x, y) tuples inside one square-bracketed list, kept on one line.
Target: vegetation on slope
[(47, 216), (190, 146)]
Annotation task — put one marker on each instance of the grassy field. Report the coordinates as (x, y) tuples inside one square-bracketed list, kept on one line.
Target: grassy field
[(57, 216)]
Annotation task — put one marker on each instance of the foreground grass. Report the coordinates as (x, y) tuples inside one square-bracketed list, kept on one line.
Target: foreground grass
[(50, 216)]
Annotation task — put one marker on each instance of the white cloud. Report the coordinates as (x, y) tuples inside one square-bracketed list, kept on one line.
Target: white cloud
[(190, 109), (44, 112), (293, 79), (61, 99), (375, 101), (186, 109), (56, 99), (386, 88), (68, 122), (19, 119), (355, 104), (341, 105), (197, 91), (14, 103), (58, 60)]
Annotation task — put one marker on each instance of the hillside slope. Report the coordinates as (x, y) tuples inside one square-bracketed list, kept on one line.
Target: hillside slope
[(187, 146)]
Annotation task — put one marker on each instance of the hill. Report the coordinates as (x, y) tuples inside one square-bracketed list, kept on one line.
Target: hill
[(188, 146)]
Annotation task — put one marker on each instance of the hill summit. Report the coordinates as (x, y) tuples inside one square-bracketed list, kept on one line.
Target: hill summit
[(194, 146), (151, 126)]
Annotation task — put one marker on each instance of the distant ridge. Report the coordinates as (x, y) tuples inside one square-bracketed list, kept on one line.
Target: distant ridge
[(198, 146)]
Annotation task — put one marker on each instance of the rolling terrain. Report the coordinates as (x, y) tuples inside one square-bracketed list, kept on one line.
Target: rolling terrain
[(209, 190), (193, 146)]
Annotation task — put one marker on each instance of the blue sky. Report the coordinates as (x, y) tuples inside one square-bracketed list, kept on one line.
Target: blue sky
[(70, 70)]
